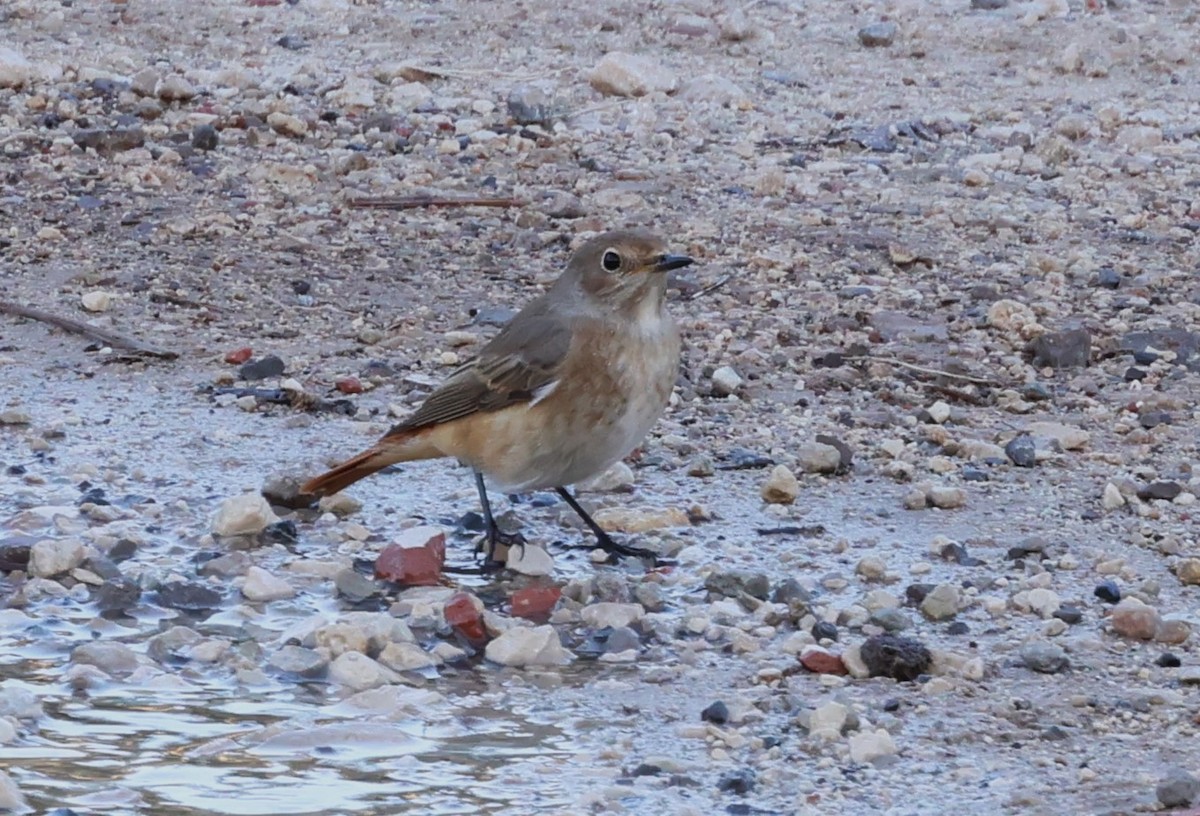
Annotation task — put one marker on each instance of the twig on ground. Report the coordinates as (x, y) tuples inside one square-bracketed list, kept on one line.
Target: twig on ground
[(106, 336), (417, 202), (924, 370), (712, 287)]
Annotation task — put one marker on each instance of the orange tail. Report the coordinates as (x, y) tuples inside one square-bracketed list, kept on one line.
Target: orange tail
[(388, 451)]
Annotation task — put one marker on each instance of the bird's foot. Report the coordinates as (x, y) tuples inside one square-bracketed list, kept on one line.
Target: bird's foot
[(488, 545), (616, 550)]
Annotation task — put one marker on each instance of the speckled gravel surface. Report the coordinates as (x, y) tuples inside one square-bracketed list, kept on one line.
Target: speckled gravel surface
[(929, 473)]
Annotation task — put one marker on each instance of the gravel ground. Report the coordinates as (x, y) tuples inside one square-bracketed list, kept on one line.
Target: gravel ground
[(929, 473)]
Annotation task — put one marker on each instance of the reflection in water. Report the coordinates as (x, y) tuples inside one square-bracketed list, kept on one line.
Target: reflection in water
[(192, 752)]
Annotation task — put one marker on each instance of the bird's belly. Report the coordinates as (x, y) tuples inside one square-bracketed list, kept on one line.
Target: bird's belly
[(583, 427)]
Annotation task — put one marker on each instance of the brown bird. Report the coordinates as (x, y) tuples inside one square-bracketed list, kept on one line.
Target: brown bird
[(568, 387)]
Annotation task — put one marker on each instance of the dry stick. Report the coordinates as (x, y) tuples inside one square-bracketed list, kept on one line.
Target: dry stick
[(417, 202), (712, 287), (105, 336), (921, 369)]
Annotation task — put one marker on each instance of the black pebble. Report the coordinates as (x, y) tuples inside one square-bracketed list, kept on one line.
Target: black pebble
[(1070, 615), (1022, 451), (897, 657), (204, 137), (824, 629), (1108, 278), (1168, 661), (1108, 592), (270, 366), (742, 781), (717, 713), (957, 628), (186, 595)]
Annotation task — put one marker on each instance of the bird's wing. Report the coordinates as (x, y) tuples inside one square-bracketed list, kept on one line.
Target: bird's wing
[(519, 365)]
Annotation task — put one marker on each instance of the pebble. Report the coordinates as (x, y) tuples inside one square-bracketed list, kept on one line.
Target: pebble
[(600, 615), (15, 70), (868, 746), (205, 137), (416, 557), (97, 301), (946, 498), (621, 74), (877, 35), (358, 672), (619, 477), (1177, 789), (287, 125), (174, 88), (816, 457), (1112, 498), (109, 656), (701, 467), (716, 713), (528, 646), (530, 560), (49, 558), (1187, 570), (821, 661), (1108, 591), (941, 603), (1043, 657), (188, 596), (1065, 349), (1134, 619), (247, 514), (1068, 437), (826, 721), (300, 661), (11, 798), (1022, 451), (262, 586), (403, 657), (725, 381), (267, 367), (535, 602), (892, 656), (781, 487), (1043, 601)]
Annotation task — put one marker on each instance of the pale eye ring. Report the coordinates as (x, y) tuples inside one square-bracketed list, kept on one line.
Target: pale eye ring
[(611, 261)]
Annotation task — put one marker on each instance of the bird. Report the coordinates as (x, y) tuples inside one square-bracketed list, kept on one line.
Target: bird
[(567, 388)]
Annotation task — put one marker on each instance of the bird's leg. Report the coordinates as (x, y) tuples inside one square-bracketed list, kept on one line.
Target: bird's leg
[(493, 537), (615, 549)]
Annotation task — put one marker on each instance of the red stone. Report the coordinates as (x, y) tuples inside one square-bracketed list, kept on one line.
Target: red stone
[(239, 356), (412, 562), (822, 662), (535, 602), (465, 618), (349, 385)]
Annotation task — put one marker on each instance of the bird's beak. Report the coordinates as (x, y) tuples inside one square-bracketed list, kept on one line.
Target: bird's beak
[(665, 263)]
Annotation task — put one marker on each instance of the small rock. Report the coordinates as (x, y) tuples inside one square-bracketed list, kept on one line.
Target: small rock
[(269, 366), (174, 88), (188, 596), (1022, 451), (781, 486), (348, 385), (701, 467), (821, 661), (1187, 571), (239, 355), (600, 615), (939, 412), (1133, 619), (988, 5), (897, 657), (247, 514), (877, 35), (52, 557), (825, 630), (1043, 601), (735, 583), (529, 560), (1067, 437), (892, 620), (528, 646), (1108, 591), (354, 586), (826, 721), (815, 457), (867, 746), (1167, 660), (717, 713), (1046, 658), (725, 381), (619, 477), (946, 498), (1112, 498), (402, 657), (535, 602), (415, 558), (358, 672), (1065, 349), (97, 301), (1161, 491), (262, 586), (942, 603), (528, 105), (287, 125), (11, 798), (621, 74), (111, 657), (15, 70), (1177, 789), (205, 137), (464, 614), (741, 781), (300, 661), (640, 519)]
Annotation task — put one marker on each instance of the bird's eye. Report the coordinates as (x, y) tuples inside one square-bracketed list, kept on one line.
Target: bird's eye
[(611, 261)]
